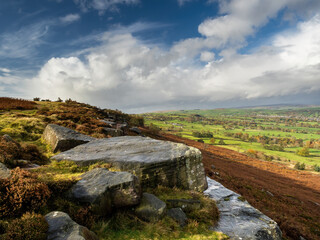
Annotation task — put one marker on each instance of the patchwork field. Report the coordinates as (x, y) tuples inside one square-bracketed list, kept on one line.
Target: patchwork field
[(290, 135)]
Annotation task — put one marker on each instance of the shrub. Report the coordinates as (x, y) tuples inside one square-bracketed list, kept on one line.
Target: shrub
[(154, 129), (252, 153), (221, 142), (11, 150), (21, 193), (136, 121), (304, 152), (300, 166), (316, 168), (30, 226), (212, 140)]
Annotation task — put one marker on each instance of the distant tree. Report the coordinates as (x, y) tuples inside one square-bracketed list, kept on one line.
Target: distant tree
[(36, 99), (304, 152), (212, 140), (59, 100), (221, 142)]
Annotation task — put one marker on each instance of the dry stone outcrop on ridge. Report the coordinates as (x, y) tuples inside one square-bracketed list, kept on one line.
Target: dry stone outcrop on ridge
[(154, 162)]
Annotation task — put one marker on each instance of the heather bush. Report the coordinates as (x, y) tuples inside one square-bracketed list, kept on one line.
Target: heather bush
[(21, 193), (18, 104), (30, 226), (12, 150)]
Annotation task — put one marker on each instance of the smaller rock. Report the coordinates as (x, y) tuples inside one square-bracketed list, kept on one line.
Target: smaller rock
[(187, 205), (63, 139), (136, 130), (105, 189), (270, 193), (113, 132), (4, 171), (151, 208), (109, 122), (122, 125), (62, 227), (213, 167), (178, 215), (7, 138)]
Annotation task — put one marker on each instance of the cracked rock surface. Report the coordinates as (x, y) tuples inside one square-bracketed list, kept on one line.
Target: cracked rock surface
[(238, 219)]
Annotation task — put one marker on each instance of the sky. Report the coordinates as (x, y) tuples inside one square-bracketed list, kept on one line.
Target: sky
[(149, 55)]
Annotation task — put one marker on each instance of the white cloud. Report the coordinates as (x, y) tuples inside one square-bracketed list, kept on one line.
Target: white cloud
[(5, 70), (207, 56), (125, 73), (70, 18), (103, 5), (182, 2)]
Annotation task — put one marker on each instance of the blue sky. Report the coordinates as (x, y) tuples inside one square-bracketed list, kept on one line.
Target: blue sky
[(146, 55)]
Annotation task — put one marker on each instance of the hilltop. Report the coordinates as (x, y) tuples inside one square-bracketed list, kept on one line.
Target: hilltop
[(38, 188)]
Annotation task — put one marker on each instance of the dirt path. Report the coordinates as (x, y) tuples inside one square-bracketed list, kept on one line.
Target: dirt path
[(290, 197)]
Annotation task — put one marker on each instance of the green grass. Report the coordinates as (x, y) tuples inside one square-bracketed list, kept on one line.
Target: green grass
[(288, 119), (125, 225)]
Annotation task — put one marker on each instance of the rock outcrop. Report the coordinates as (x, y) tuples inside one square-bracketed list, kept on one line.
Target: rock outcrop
[(62, 227), (238, 219), (105, 190), (155, 162), (4, 171), (113, 132), (151, 208), (63, 139)]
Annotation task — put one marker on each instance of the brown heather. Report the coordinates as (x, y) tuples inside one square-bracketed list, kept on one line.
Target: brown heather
[(17, 104), (12, 150), (21, 193), (30, 226)]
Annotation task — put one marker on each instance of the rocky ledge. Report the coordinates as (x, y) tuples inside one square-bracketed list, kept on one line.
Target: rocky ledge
[(154, 162), (62, 139), (238, 219)]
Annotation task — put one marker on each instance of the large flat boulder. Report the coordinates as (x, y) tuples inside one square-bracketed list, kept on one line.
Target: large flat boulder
[(62, 227), (238, 219), (4, 171), (63, 139), (104, 190), (155, 162)]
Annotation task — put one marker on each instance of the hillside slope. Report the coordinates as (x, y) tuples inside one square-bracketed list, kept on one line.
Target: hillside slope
[(290, 197)]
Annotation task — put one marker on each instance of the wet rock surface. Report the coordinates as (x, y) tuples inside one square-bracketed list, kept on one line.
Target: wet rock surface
[(63, 139), (238, 219), (154, 162), (62, 227)]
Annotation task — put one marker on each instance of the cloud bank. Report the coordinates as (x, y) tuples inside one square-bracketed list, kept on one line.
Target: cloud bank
[(127, 73)]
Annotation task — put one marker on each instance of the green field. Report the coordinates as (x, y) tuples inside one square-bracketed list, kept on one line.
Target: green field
[(274, 134)]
